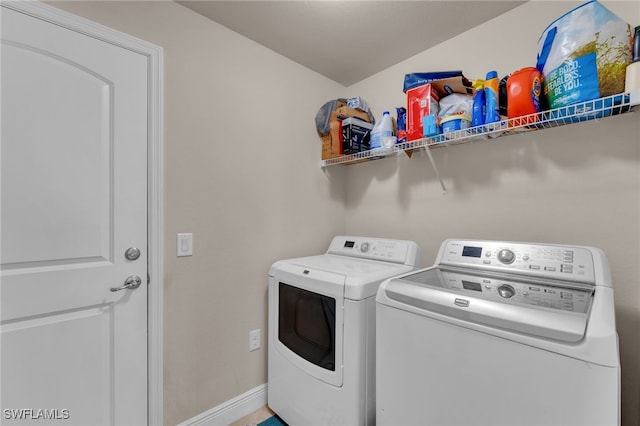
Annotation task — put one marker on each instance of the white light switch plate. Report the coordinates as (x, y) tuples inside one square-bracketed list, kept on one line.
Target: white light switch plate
[(184, 245), (254, 340)]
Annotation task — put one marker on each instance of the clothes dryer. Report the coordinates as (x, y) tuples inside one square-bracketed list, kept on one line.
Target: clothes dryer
[(499, 333), (321, 357)]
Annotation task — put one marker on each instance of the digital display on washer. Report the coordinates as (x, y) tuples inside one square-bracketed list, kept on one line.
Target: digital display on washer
[(470, 285), (349, 244), (470, 251)]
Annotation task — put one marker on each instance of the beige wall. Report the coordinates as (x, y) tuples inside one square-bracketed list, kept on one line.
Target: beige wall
[(578, 184), (241, 173)]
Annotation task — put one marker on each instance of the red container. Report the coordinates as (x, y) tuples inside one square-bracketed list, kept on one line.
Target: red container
[(523, 96), (421, 101)]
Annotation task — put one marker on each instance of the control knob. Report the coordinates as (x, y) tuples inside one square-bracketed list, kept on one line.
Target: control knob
[(506, 291), (506, 256), (364, 247)]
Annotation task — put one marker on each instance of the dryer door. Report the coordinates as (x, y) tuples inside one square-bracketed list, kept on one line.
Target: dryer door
[(306, 318)]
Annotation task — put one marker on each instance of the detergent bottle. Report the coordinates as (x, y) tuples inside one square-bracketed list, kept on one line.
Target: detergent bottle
[(492, 111), (478, 110), (381, 130), (524, 88), (632, 79)]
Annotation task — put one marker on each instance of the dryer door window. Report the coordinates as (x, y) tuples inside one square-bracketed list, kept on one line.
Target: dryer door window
[(307, 325)]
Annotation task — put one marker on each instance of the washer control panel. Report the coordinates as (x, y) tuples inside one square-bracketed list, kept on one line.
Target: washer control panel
[(530, 294), (548, 261), (396, 251)]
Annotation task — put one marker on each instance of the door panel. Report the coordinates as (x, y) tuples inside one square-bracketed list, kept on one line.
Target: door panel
[(74, 198), (81, 369), (76, 228)]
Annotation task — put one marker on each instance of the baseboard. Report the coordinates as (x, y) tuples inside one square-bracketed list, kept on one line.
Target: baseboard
[(232, 410)]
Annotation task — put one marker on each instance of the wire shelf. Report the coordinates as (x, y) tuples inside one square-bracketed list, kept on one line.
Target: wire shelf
[(577, 113)]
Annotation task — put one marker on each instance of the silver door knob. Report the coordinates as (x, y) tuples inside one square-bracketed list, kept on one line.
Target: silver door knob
[(132, 253), (131, 283)]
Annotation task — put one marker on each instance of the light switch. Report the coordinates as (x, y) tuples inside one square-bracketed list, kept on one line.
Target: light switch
[(185, 245)]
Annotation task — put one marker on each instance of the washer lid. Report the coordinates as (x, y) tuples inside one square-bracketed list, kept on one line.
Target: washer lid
[(550, 309)]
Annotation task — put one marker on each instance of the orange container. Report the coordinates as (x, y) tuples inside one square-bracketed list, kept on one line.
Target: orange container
[(523, 96)]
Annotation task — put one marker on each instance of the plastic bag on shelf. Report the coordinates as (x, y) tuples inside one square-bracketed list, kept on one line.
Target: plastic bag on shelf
[(583, 55)]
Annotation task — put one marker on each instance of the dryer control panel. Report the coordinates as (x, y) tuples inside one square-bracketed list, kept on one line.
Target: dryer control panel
[(382, 249), (546, 261)]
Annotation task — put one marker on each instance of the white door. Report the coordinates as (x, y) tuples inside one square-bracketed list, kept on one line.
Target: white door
[(74, 199)]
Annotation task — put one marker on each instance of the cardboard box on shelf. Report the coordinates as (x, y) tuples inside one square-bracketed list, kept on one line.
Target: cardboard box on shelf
[(345, 112), (445, 83), (423, 100), (332, 143), (326, 148), (356, 135), (447, 86)]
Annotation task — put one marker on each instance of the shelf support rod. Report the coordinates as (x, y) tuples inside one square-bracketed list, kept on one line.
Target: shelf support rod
[(435, 169)]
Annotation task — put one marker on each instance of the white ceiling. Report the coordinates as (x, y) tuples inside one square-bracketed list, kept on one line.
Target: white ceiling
[(348, 41)]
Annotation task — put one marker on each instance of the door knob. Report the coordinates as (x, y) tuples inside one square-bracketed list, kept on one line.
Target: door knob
[(132, 282), (132, 253)]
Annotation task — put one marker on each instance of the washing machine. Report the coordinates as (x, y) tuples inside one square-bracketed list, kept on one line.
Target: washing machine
[(321, 351), (499, 333)]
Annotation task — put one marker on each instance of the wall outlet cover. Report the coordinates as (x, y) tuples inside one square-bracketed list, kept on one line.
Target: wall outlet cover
[(254, 340)]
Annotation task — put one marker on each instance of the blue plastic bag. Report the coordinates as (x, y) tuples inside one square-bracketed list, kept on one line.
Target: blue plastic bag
[(417, 79)]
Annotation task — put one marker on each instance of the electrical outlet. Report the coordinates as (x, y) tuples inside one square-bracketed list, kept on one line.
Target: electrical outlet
[(254, 340)]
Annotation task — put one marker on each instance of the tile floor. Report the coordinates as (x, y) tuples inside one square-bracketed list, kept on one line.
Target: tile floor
[(254, 418)]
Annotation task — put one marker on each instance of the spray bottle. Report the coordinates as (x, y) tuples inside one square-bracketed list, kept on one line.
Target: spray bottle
[(478, 111), (492, 111)]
